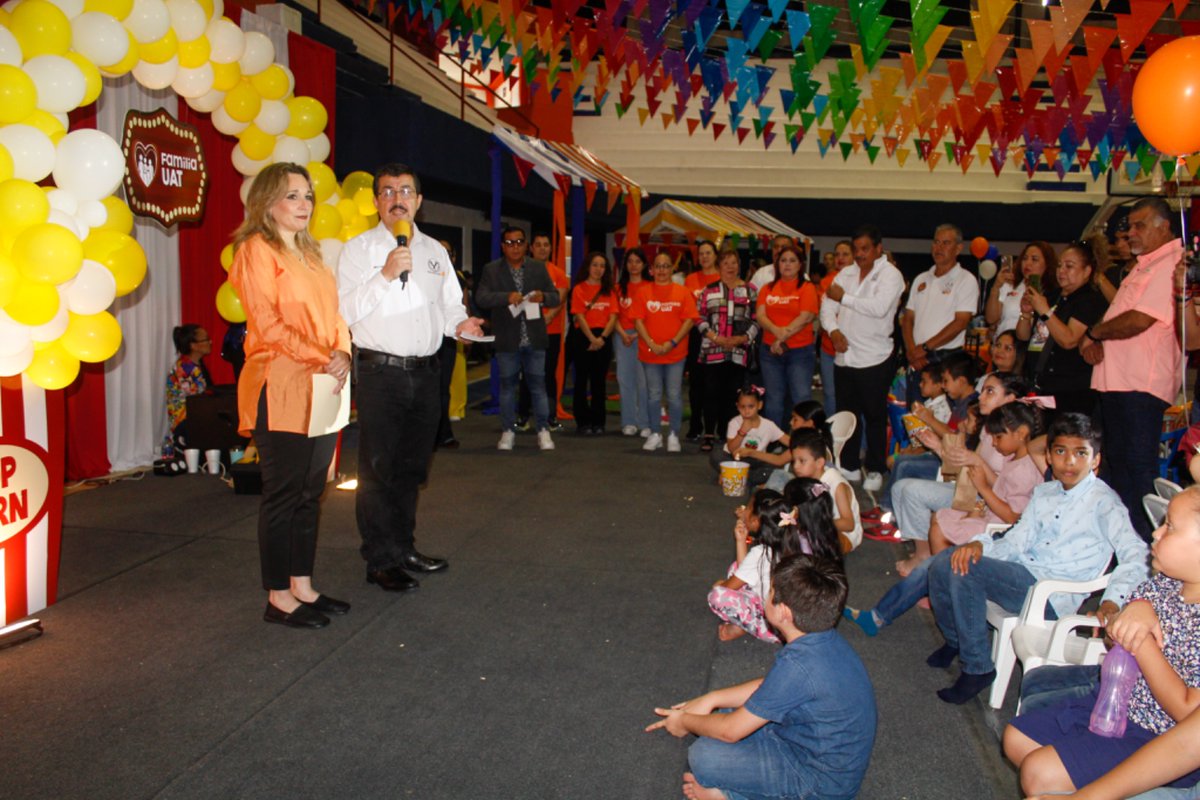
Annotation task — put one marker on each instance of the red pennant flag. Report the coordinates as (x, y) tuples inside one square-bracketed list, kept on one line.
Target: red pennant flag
[(741, 134), (613, 195), (589, 193), (523, 168), (691, 125), (717, 128), (633, 218), (958, 74), (563, 181)]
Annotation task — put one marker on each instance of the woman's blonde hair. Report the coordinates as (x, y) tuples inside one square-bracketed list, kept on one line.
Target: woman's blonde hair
[(268, 188)]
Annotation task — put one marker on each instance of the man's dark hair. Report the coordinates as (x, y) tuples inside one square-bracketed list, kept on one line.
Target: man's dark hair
[(395, 170), (1157, 205), (869, 231), (813, 588), (510, 229), (960, 365), (540, 235), (1079, 426)]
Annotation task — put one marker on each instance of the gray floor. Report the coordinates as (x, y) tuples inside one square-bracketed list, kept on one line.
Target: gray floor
[(574, 604)]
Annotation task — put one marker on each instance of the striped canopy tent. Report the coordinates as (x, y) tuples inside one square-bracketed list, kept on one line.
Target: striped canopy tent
[(679, 222)]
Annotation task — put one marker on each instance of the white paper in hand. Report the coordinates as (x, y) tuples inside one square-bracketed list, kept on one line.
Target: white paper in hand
[(330, 410)]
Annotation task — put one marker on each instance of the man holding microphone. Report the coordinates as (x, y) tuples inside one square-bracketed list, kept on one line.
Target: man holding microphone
[(399, 295)]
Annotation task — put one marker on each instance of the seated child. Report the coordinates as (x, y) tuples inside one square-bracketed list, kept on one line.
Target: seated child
[(1070, 530), (749, 435), (805, 730), (807, 414), (1053, 747), (933, 397)]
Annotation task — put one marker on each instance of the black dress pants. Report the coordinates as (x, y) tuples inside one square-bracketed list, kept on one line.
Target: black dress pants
[(447, 355), (398, 413), (294, 468), (695, 371), (591, 376), (863, 391)]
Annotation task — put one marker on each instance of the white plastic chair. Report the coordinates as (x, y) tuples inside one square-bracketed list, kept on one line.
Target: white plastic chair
[(841, 428), (1155, 508), (1038, 646), (1166, 489)]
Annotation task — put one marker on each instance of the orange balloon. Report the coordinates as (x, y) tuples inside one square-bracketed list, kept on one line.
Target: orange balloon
[(1166, 97), (979, 247)]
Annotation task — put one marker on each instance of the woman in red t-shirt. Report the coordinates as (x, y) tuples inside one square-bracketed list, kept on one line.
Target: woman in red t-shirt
[(663, 313), (843, 256), (594, 313), (787, 307), (696, 282)]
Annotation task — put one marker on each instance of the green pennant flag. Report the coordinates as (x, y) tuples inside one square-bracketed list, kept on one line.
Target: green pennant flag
[(872, 151), (766, 45), (847, 149), (807, 118), (872, 28), (821, 34), (926, 15), (1168, 168)]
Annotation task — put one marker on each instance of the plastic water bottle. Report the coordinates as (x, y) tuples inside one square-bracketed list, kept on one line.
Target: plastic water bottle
[(1117, 679)]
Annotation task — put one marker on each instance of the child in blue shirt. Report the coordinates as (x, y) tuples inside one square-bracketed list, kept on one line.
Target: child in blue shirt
[(805, 730)]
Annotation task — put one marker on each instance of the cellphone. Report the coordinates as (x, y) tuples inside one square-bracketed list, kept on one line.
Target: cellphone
[(1034, 282)]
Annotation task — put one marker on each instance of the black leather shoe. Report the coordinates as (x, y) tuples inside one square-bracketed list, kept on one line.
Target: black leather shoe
[(449, 444), (393, 579), (303, 617), (419, 563), (328, 605)]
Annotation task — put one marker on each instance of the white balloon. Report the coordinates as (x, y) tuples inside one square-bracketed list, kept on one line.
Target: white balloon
[(56, 327), (289, 148), (246, 165), (62, 118), (14, 338), (225, 123), (318, 147), (987, 269), (156, 76), (207, 103), (92, 214), (291, 76), (63, 200), (60, 83), (31, 150), (244, 189), (99, 38), (91, 291), (330, 250), (258, 54), (195, 82), (67, 221), (149, 20), (218, 9), (273, 118), (89, 164), (10, 48), (187, 18), (72, 8), (19, 361), (225, 41)]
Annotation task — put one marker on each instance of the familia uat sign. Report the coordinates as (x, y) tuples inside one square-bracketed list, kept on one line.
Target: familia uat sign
[(165, 174)]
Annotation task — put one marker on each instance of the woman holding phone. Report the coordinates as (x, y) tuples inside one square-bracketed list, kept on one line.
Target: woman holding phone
[(1038, 263)]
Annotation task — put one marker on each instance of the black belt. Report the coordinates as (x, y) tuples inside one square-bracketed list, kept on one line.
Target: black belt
[(403, 362)]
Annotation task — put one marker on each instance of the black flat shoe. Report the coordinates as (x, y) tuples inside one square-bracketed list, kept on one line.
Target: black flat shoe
[(392, 580), (328, 605), (449, 444), (303, 617), (421, 563)]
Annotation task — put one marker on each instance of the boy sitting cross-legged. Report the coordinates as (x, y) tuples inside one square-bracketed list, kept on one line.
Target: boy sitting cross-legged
[(807, 728)]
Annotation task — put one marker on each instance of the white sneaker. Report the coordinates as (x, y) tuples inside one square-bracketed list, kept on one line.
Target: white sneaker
[(645, 433), (653, 442), (873, 482), (629, 430), (673, 443), (852, 475), (544, 440), (506, 440)]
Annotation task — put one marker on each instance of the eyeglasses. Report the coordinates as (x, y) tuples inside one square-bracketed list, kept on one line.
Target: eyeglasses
[(404, 191), (513, 242)]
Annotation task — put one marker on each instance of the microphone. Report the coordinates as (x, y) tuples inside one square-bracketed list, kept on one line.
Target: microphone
[(402, 230)]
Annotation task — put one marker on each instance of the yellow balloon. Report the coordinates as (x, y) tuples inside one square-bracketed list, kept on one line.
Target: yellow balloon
[(45, 122), (271, 83), (355, 181), (324, 182), (229, 305), (360, 225), (53, 367), (5, 18), (120, 218), (18, 94), (326, 222), (227, 256), (242, 103), (92, 337), (41, 28), (308, 117), (364, 201), (348, 210), (132, 56), (255, 143), (120, 254), (6, 164), (91, 78), (226, 76), (10, 279), (117, 9), (23, 204), (194, 53), (33, 303), (207, 5), (160, 52), (47, 253)]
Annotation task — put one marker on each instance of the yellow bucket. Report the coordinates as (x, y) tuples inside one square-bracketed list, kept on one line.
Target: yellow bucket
[(734, 475)]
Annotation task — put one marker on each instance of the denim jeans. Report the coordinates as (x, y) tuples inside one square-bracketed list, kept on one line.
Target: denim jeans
[(670, 378), (533, 364), (914, 500), (923, 466), (829, 396), (787, 375), (904, 594), (759, 766), (631, 379), (1132, 424), (960, 604)]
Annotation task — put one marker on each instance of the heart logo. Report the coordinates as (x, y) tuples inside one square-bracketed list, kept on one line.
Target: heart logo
[(653, 306), (146, 158)]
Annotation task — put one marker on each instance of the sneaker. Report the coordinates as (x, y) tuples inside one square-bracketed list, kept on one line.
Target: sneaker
[(506, 441), (673, 443), (644, 433), (522, 425), (629, 430), (852, 475), (873, 482), (555, 425), (544, 440), (653, 442)]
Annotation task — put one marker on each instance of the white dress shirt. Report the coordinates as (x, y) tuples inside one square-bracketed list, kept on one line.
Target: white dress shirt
[(390, 316), (866, 314), (762, 276), (935, 300)]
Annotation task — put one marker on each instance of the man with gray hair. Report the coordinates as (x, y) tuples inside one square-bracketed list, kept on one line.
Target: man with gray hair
[(1136, 358)]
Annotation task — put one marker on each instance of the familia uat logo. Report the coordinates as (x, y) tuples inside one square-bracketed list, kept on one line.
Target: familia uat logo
[(165, 175)]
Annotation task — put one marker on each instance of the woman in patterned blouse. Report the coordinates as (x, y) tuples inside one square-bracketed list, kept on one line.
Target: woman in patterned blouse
[(187, 378), (728, 332)]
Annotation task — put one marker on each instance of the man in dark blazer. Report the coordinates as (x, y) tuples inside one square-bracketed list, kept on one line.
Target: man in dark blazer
[(515, 283)]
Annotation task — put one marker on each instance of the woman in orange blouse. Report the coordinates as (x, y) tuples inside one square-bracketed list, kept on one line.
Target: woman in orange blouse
[(594, 312), (787, 307), (293, 330)]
